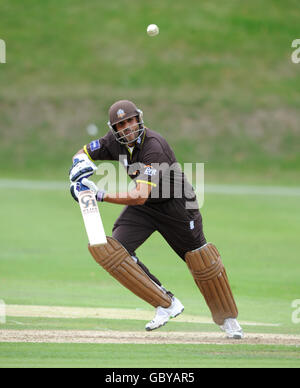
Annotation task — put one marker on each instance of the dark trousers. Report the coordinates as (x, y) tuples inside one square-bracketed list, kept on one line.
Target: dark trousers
[(181, 228)]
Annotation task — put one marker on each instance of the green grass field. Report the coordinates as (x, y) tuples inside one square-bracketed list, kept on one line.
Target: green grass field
[(44, 261), (154, 356), (219, 84)]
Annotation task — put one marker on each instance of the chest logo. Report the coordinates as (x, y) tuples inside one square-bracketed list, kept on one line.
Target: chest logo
[(150, 171)]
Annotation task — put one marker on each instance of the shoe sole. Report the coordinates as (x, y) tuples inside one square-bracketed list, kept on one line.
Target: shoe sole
[(155, 328), (163, 324), (236, 336), (174, 316)]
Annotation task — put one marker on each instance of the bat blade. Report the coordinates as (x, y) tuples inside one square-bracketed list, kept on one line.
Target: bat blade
[(92, 219)]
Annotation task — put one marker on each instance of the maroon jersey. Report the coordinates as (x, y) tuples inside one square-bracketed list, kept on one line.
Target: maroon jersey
[(150, 161)]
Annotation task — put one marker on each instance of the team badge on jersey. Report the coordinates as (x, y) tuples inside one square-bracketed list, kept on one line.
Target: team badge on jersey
[(150, 171), (95, 145)]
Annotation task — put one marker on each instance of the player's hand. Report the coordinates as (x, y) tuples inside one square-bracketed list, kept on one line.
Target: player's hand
[(99, 194), (76, 188), (82, 168)]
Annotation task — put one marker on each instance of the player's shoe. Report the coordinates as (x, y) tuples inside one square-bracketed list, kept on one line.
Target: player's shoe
[(163, 315), (232, 329)]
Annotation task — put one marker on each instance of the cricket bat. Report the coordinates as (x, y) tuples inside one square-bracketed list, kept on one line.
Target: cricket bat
[(91, 217)]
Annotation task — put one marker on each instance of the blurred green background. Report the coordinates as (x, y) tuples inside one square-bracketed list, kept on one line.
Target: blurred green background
[(218, 82)]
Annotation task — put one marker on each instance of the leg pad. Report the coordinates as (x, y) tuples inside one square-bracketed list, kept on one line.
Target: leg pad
[(115, 259), (210, 276)]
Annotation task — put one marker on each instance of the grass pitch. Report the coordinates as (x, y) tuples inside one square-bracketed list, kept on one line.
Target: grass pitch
[(44, 261)]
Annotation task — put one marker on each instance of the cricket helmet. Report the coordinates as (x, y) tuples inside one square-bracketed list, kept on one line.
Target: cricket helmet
[(124, 110)]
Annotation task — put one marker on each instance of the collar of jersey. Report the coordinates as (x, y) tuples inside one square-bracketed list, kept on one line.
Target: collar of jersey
[(138, 145)]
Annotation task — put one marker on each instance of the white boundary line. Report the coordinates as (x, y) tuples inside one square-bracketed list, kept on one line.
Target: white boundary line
[(106, 313), (32, 185), (252, 190), (209, 188)]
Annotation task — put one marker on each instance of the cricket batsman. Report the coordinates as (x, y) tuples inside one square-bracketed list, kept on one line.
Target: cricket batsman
[(153, 205)]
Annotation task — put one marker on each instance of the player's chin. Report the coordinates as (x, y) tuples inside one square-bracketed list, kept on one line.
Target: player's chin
[(130, 138)]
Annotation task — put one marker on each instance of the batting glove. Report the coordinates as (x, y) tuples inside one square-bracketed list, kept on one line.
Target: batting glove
[(81, 168), (76, 188), (99, 194)]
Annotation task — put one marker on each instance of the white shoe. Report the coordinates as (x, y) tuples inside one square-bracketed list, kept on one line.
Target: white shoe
[(232, 329), (163, 315)]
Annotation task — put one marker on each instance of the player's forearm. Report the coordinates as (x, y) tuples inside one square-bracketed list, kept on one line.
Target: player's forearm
[(132, 198)]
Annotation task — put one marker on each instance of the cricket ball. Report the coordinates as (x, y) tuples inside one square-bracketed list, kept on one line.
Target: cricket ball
[(152, 30)]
